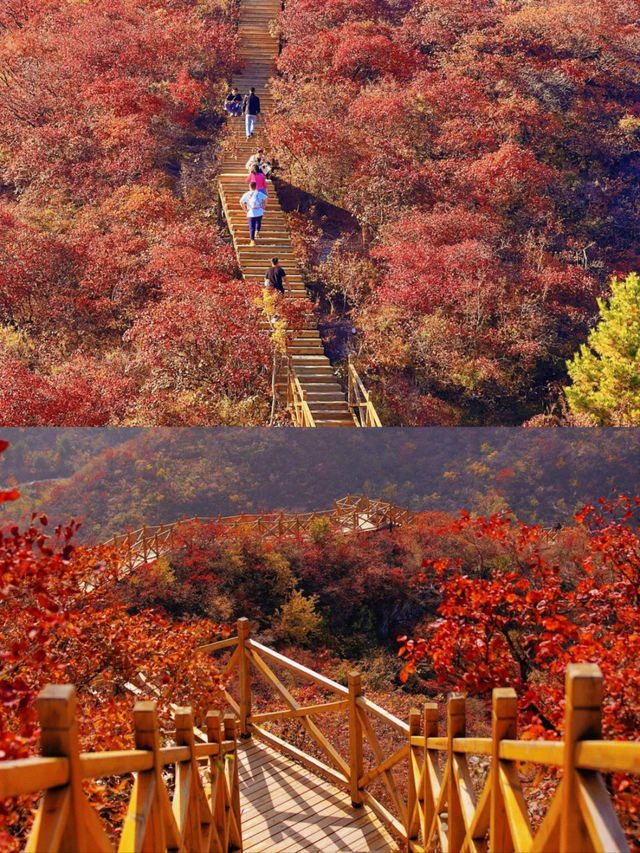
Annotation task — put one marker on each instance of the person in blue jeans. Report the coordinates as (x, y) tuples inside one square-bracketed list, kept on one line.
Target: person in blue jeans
[(251, 110), (254, 202), (233, 102)]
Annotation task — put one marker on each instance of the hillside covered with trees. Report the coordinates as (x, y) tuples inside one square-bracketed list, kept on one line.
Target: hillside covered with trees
[(487, 153), (462, 181), (118, 479), (119, 301)]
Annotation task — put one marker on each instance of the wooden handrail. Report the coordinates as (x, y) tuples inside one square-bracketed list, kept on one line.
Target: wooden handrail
[(438, 776), (351, 513), (297, 399), (359, 399), (198, 819)]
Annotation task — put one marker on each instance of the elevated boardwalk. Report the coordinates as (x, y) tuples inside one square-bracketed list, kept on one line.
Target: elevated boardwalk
[(349, 514), (312, 391)]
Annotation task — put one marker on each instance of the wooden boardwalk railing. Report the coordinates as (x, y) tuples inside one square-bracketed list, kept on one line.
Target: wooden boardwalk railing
[(200, 818), (434, 799), (351, 513), (443, 807), (359, 399)]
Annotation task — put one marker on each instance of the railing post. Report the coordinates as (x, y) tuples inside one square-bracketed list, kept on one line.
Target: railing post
[(160, 833), (456, 725), (235, 828), (59, 737), (414, 793), (583, 721), (355, 739), (145, 552), (196, 821), (503, 727), (428, 793), (215, 734), (244, 678)]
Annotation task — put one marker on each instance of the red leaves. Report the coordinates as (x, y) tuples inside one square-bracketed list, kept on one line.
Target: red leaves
[(98, 255), (526, 607), (464, 138)]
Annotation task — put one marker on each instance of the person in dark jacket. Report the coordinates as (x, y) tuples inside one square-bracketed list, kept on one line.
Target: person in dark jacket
[(251, 110), (233, 102), (275, 276)]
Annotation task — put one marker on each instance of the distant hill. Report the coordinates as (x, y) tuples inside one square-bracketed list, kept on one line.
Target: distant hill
[(114, 479)]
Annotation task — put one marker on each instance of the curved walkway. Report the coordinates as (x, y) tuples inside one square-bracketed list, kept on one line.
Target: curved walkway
[(311, 367)]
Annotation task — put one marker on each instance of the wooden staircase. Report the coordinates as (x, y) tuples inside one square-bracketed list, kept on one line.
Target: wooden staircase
[(313, 380)]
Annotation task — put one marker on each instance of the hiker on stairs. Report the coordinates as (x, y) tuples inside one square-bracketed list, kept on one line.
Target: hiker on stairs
[(255, 175), (261, 161), (275, 276), (233, 102), (251, 110), (254, 202)]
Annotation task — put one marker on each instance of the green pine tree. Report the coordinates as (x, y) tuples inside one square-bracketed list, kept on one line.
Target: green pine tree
[(606, 371)]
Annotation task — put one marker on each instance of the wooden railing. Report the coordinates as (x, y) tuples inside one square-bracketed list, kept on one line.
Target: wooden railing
[(435, 803), (359, 399), (198, 818), (351, 513), (297, 399)]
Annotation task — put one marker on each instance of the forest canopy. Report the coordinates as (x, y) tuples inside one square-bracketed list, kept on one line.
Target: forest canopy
[(471, 169), (119, 301), (113, 479), (488, 153)]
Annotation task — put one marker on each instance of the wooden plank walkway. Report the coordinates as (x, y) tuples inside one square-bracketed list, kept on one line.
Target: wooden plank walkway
[(310, 365), (287, 809)]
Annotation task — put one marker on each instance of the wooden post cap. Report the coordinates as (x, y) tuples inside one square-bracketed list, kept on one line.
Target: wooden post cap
[(56, 704), (145, 716), (214, 725), (584, 685), (414, 722), (456, 705), (504, 702), (431, 711), (183, 717), (230, 726)]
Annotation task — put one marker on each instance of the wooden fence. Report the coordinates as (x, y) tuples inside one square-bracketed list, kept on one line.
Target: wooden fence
[(359, 399), (297, 399), (443, 808), (199, 818), (351, 513)]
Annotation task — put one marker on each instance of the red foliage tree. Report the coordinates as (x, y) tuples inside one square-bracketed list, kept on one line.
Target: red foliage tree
[(523, 610), (119, 303), (499, 122), (61, 620)]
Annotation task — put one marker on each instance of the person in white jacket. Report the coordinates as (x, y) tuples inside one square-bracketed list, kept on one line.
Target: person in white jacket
[(261, 161), (254, 202)]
